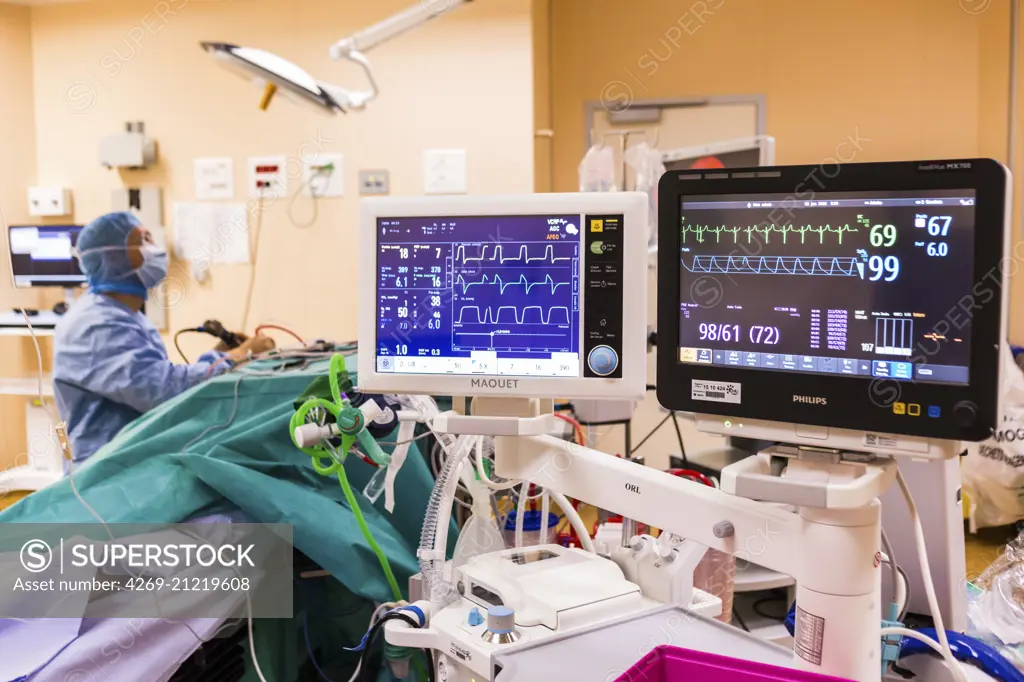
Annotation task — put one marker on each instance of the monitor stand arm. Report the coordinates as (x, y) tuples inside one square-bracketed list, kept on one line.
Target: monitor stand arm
[(831, 552)]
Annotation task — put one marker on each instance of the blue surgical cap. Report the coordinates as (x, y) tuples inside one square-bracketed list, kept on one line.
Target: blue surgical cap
[(103, 254)]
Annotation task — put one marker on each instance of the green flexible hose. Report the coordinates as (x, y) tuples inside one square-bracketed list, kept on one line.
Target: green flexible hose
[(336, 467)]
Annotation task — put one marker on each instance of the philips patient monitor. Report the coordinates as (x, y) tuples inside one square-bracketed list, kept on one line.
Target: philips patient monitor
[(536, 296), (869, 298)]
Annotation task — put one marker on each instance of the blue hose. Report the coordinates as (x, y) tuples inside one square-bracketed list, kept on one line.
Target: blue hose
[(969, 650), (964, 648)]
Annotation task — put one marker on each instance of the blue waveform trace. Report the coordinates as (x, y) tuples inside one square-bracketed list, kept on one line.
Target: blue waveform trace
[(499, 255), (775, 265), (485, 280), (494, 316)]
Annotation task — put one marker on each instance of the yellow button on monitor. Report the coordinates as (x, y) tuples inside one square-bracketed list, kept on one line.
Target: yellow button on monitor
[(899, 408), (597, 225), (914, 410), (687, 355)]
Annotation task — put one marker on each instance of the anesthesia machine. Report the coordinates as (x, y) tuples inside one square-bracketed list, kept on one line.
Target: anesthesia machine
[(853, 320)]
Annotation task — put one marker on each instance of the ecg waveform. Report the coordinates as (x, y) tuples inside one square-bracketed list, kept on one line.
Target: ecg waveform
[(497, 255), (509, 314), (700, 232), (488, 281), (775, 265)]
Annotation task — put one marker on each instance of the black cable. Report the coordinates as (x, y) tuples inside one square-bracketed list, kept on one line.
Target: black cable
[(764, 614), (648, 436), (902, 672), (736, 615), (679, 435), (366, 674), (179, 333)]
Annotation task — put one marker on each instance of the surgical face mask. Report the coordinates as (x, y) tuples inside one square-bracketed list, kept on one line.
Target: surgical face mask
[(154, 265)]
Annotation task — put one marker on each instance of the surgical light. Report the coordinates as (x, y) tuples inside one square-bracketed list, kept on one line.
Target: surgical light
[(275, 74)]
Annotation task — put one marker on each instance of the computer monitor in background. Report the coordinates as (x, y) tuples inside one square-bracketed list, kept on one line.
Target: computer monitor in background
[(41, 256)]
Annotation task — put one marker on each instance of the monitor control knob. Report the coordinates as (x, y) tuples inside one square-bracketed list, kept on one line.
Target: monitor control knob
[(603, 360), (965, 414)]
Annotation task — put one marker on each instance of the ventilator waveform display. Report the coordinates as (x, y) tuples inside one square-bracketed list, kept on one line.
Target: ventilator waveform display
[(509, 314), (775, 265), (520, 297), (499, 254), (522, 281), (768, 234)]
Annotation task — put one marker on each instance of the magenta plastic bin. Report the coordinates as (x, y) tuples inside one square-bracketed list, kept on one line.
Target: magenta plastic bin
[(672, 664)]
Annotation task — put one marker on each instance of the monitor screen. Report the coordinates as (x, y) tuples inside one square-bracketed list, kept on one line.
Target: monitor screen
[(41, 255), (852, 284), (499, 295)]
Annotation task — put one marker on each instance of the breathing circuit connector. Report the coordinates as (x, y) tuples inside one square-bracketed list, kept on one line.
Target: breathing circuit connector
[(891, 643)]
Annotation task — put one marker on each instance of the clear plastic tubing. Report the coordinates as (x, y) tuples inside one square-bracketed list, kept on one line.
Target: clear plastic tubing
[(434, 535)]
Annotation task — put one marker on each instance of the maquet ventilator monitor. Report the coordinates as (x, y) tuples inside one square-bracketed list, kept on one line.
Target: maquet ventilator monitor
[(866, 299), (518, 296)]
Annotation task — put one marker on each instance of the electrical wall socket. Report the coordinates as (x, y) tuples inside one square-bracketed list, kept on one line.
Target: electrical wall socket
[(49, 201), (373, 182), (267, 177), (324, 176)]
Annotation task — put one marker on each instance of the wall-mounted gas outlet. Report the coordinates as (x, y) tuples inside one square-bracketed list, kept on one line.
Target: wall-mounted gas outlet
[(373, 182), (324, 176), (267, 177)]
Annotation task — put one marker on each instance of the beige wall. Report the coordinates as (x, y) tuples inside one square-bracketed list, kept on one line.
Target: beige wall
[(17, 172), (463, 81), (914, 79), (73, 73)]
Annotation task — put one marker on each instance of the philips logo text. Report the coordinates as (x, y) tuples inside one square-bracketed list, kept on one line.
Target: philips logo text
[(494, 383), (809, 400)]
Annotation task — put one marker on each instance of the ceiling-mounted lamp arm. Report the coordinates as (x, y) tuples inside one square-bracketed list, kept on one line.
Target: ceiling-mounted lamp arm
[(393, 26), (349, 99)]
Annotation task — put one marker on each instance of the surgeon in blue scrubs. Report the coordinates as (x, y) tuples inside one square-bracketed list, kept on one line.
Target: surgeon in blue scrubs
[(110, 364)]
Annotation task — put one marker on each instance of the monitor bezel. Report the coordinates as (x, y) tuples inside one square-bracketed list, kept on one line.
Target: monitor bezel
[(632, 205), (54, 285), (764, 394)]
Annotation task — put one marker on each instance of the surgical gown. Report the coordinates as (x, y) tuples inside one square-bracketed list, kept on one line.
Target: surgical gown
[(110, 366)]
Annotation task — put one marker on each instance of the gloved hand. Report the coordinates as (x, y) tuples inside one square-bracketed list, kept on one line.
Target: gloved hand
[(259, 343), (223, 347)]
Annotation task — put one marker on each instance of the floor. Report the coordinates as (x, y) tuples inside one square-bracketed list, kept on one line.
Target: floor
[(983, 548)]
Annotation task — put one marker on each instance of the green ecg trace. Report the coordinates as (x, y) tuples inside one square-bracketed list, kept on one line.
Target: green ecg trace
[(767, 230)]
